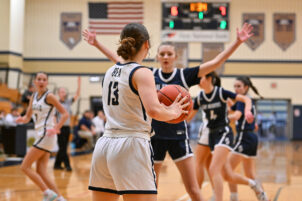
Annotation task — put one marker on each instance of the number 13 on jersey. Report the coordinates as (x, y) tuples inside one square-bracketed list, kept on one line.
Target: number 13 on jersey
[(113, 88)]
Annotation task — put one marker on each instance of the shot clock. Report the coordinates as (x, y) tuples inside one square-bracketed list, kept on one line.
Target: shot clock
[(195, 21)]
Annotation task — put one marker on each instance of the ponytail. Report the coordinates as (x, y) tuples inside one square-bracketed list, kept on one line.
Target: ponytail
[(216, 81), (247, 82)]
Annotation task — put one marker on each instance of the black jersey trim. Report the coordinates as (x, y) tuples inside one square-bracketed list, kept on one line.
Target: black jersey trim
[(152, 163), (44, 133), (45, 101), (143, 109), (47, 117), (130, 78), (107, 190), (137, 192), (41, 148), (38, 99), (120, 64), (121, 192)]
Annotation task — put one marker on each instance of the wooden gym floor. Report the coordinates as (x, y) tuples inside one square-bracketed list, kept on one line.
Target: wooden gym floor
[(279, 167)]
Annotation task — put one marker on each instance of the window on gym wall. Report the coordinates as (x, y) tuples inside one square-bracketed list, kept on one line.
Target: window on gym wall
[(274, 119)]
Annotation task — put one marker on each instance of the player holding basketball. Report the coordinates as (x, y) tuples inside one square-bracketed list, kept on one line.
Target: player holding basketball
[(42, 105), (173, 138), (245, 148), (122, 162), (213, 101)]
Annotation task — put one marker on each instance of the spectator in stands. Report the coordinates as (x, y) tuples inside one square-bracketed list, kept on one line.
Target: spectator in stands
[(87, 129), (99, 123), (27, 94), (2, 117), (10, 118), (63, 138)]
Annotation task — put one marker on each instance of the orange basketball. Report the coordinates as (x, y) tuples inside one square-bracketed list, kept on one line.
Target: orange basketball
[(168, 94)]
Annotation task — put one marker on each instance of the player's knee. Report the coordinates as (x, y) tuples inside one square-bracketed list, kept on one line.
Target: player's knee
[(214, 170), (24, 168), (194, 192)]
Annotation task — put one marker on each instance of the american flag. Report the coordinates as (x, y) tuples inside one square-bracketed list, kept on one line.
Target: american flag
[(111, 17)]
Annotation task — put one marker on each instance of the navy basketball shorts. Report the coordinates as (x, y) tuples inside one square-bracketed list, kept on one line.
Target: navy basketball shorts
[(178, 149), (246, 144), (221, 137)]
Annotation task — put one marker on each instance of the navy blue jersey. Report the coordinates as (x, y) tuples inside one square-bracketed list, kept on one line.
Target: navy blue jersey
[(185, 77), (241, 124), (215, 107)]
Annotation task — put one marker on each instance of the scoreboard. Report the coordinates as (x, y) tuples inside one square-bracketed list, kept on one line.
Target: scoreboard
[(195, 21)]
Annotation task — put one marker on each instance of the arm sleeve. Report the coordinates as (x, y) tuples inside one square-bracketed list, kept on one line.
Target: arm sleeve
[(191, 75), (228, 94)]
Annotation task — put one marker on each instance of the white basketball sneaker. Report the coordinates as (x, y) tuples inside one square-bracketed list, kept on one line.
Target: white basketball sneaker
[(50, 196)]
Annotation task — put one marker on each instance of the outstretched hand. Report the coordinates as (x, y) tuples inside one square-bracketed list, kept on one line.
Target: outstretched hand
[(90, 37), (245, 33)]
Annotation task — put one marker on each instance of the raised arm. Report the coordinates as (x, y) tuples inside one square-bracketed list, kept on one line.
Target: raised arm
[(76, 96), (90, 37), (143, 81), (213, 64)]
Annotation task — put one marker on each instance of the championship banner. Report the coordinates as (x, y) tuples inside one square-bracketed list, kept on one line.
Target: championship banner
[(284, 29), (71, 26), (257, 20)]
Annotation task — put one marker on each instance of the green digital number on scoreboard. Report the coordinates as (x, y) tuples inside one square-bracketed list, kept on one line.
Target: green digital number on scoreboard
[(199, 21)]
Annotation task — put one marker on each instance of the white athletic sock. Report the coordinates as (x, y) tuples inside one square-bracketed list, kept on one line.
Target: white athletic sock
[(234, 196), (252, 182), (47, 191)]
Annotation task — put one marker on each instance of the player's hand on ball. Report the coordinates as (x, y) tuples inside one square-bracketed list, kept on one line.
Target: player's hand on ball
[(178, 105)]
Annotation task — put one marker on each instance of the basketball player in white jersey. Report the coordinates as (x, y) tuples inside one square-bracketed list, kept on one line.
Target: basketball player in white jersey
[(42, 107), (122, 161)]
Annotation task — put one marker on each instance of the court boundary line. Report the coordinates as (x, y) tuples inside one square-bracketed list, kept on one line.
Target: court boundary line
[(278, 193)]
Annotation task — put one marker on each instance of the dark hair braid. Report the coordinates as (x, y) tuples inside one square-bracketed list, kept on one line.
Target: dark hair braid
[(216, 81), (247, 82)]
